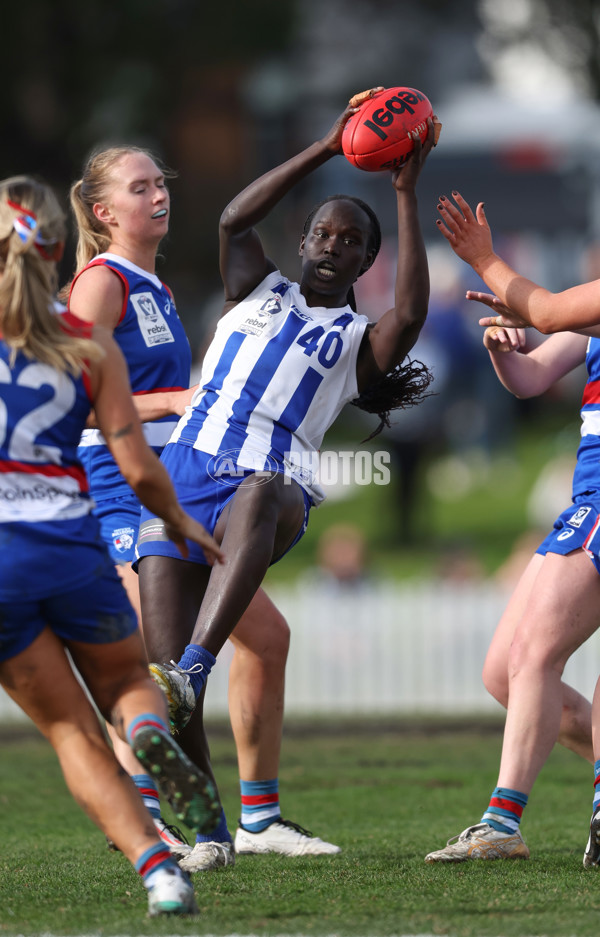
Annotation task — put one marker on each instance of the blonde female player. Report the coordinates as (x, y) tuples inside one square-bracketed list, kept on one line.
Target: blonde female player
[(122, 210), (554, 607), (58, 588)]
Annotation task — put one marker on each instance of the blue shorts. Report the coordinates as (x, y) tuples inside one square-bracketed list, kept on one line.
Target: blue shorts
[(97, 612), (577, 528), (119, 524), (203, 495)]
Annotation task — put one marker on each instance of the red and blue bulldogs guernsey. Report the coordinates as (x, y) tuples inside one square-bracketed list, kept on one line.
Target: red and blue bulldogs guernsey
[(44, 499), (586, 478), (578, 526), (158, 355), (275, 377)]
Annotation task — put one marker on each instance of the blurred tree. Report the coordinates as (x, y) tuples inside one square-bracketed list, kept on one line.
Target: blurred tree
[(220, 92), (163, 73)]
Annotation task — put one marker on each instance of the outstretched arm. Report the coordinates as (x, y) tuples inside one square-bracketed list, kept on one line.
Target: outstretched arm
[(242, 260), (389, 341), (470, 238), (502, 316), (531, 373), (506, 318), (526, 372)]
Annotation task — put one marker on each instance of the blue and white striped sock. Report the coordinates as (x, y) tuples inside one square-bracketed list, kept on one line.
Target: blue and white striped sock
[(153, 860), (144, 720), (260, 804), (149, 793), (596, 802), (505, 810)]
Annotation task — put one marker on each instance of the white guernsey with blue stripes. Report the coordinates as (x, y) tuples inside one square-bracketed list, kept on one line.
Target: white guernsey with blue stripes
[(274, 379)]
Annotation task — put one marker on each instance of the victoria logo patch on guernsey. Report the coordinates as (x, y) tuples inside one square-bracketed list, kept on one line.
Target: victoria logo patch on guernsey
[(152, 323), (579, 516), (261, 322)]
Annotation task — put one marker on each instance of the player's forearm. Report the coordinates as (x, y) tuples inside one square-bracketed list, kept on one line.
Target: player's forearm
[(255, 202), (411, 291), (519, 374), (156, 493), (162, 403), (531, 302), (393, 336), (145, 473)]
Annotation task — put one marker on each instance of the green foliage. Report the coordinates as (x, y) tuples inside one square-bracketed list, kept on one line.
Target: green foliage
[(387, 792), (483, 522)]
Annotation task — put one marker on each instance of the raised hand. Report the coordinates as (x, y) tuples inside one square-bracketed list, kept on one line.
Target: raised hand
[(468, 234), (499, 339), (361, 96), (333, 139), (504, 318), (406, 176), (189, 529)]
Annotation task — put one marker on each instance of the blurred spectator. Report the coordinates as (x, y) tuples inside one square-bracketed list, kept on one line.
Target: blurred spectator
[(459, 564), (510, 571), (551, 488), (468, 410), (342, 559)]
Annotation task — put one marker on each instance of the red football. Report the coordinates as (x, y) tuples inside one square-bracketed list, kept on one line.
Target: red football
[(378, 136)]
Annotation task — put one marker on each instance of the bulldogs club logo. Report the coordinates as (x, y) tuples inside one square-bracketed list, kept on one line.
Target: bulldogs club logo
[(123, 539)]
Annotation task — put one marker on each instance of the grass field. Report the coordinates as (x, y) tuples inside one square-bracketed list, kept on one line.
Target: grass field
[(386, 792)]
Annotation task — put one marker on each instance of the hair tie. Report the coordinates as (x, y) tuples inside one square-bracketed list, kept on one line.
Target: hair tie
[(26, 224)]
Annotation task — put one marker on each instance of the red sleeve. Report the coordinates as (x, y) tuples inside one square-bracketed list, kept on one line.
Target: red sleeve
[(104, 263)]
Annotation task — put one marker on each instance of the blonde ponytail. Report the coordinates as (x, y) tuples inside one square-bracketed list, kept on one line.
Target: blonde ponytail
[(32, 234), (93, 236)]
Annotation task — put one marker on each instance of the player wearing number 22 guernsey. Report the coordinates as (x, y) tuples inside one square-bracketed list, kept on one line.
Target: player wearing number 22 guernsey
[(42, 480)]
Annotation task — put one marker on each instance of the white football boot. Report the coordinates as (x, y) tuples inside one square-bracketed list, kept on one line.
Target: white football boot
[(283, 837), (171, 893), (205, 857), (481, 841)]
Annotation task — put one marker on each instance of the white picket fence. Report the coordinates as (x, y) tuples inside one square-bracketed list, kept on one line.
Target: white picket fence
[(414, 648)]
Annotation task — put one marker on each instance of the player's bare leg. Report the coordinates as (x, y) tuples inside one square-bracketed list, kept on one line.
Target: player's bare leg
[(558, 600), (591, 855), (261, 642), (575, 724), (560, 614), (42, 683), (171, 835), (122, 750)]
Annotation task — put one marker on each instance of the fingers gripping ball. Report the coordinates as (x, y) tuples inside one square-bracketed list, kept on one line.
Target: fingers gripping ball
[(378, 136)]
